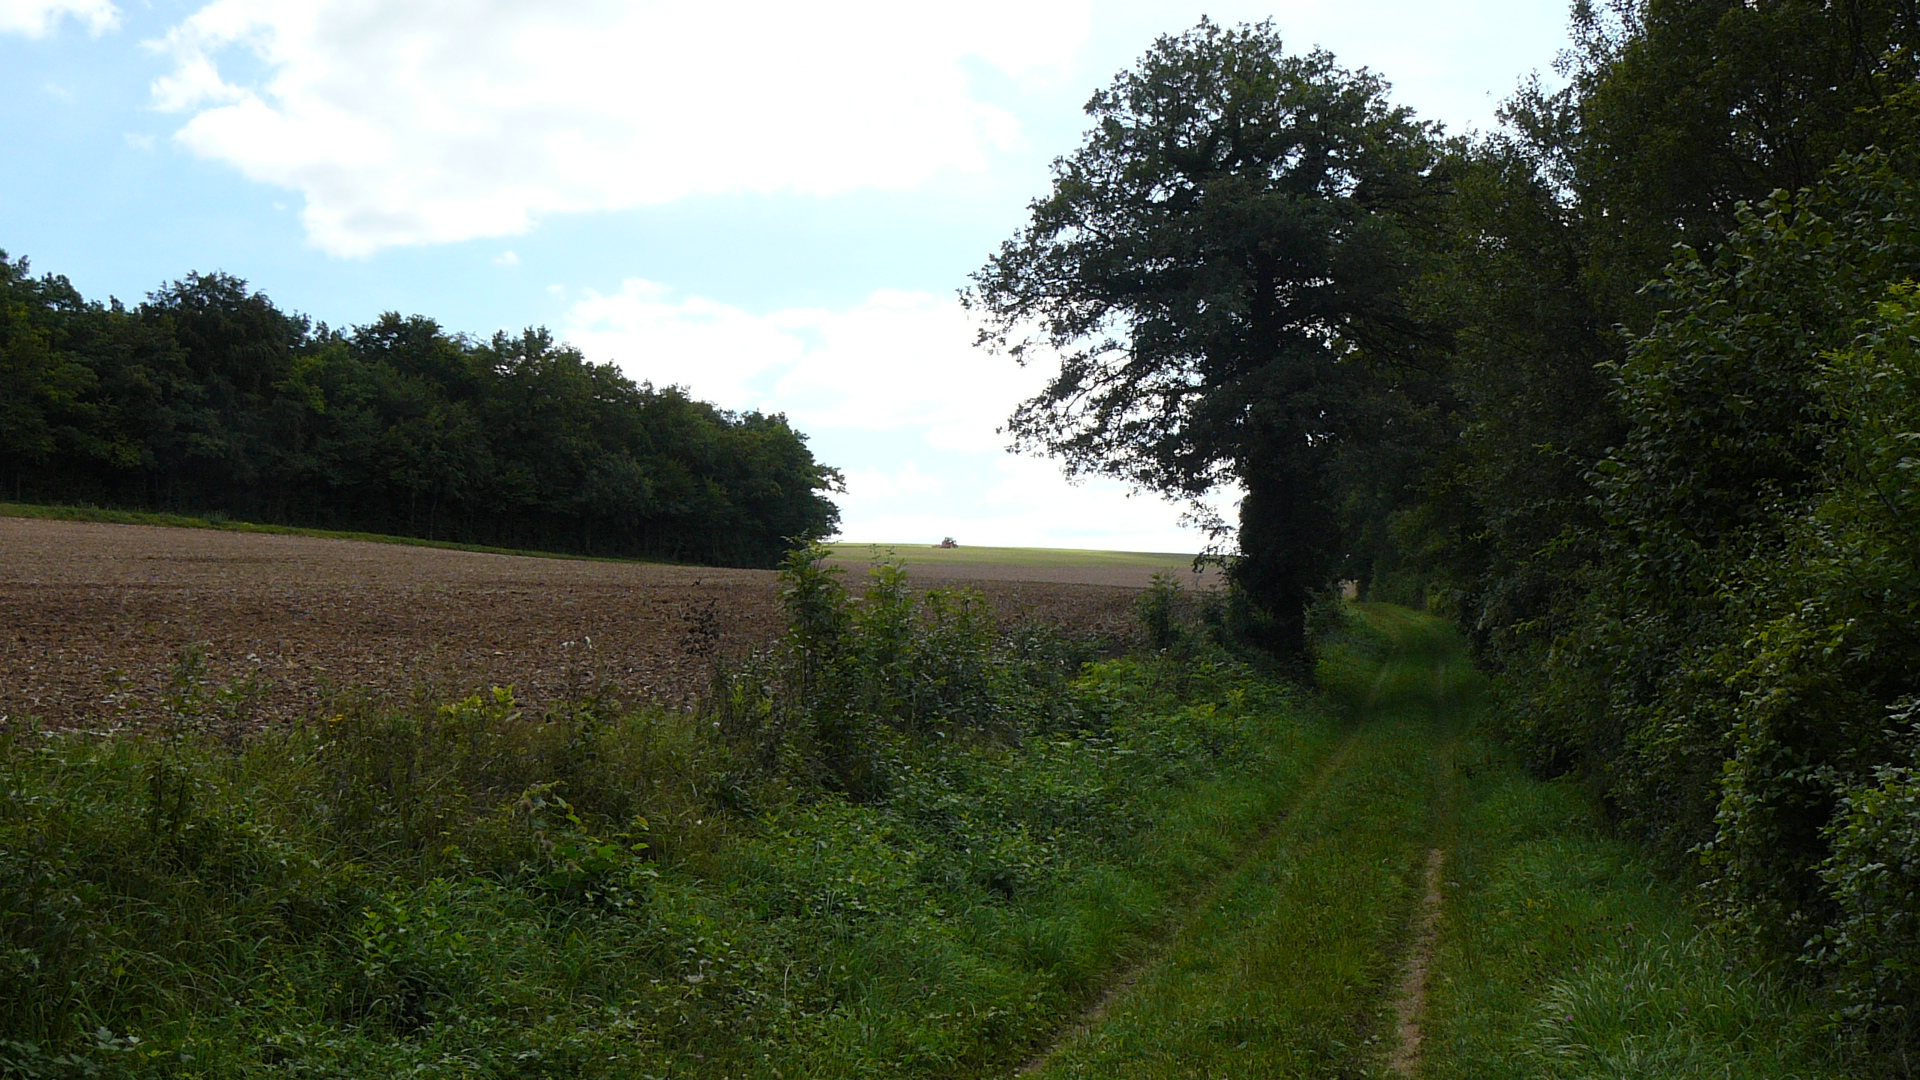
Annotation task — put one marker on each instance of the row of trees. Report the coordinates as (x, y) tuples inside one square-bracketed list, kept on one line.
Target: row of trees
[(1630, 386), (209, 399)]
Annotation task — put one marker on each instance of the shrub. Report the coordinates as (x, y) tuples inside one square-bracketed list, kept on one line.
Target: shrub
[(850, 670), (1873, 943), (468, 888), (1753, 607)]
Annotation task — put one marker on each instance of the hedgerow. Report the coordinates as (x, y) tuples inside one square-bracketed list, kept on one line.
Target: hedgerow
[(1750, 619)]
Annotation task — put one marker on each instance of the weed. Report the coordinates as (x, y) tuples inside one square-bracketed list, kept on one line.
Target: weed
[(467, 887), (1563, 955)]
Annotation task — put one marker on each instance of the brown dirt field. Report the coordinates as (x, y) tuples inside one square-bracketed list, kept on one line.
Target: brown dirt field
[(93, 618)]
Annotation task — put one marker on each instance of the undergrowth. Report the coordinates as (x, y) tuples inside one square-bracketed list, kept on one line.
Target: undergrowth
[(902, 841), (1565, 955), (1563, 952)]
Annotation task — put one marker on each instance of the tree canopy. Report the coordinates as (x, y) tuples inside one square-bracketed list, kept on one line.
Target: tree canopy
[(1218, 267), (207, 398)]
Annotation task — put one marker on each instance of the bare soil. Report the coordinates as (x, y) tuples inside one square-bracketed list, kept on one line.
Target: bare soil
[(96, 618), (1410, 1003)]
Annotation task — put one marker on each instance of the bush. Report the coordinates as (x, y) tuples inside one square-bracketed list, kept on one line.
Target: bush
[(1873, 943), (1753, 607), (851, 671)]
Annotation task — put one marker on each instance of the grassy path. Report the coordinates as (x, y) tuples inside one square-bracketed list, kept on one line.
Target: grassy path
[(1291, 967), (1260, 849), (1283, 972), (1426, 909)]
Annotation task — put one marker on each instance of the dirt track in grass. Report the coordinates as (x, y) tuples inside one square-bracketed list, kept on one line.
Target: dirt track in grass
[(93, 617)]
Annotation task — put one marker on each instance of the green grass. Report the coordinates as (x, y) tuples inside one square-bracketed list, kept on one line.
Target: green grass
[(1560, 954), (1283, 971), (470, 891), (1287, 969), (221, 524), (1563, 955), (928, 555)]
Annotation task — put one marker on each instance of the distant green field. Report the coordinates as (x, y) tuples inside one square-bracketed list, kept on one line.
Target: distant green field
[(928, 555)]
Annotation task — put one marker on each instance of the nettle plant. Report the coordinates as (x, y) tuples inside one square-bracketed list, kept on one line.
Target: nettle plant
[(854, 673)]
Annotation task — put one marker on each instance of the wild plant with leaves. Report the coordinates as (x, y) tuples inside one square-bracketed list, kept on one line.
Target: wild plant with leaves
[(903, 840)]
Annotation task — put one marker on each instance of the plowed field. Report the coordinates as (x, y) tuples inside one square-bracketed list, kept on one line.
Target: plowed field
[(96, 620)]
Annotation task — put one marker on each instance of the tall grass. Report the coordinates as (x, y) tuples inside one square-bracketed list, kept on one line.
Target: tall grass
[(1563, 955), (901, 842)]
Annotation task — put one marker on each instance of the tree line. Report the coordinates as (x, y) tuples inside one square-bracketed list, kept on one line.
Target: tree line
[(1629, 386), (206, 398)]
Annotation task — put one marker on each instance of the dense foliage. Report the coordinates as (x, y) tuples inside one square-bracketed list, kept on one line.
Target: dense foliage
[(917, 881), (1646, 426), (1213, 265), (207, 398), (1712, 616)]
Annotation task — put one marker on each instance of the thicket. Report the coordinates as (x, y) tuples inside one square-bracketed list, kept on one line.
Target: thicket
[(208, 399), (1626, 386), (901, 841), (1714, 620)]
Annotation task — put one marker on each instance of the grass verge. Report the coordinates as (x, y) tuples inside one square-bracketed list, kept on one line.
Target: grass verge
[(1563, 955), (467, 890)]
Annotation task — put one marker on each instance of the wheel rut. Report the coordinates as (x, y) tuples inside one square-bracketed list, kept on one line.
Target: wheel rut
[(1311, 953), (1250, 854), (1410, 1002)]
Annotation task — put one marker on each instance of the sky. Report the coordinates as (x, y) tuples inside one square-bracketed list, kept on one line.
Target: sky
[(772, 204)]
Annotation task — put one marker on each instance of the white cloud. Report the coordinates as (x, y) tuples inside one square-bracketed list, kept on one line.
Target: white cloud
[(893, 392), (877, 485), (423, 121), (720, 353), (1004, 501), (506, 258), (1093, 508), (897, 360), (902, 359), (37, 18)]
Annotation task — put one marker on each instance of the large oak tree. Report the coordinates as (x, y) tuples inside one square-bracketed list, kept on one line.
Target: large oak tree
[(1219, 268)]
